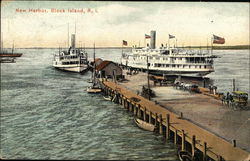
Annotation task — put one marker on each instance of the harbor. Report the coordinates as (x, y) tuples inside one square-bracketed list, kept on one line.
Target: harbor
[(125, 81)]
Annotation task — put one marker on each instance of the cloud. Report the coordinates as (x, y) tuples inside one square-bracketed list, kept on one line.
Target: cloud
[(115, 21)]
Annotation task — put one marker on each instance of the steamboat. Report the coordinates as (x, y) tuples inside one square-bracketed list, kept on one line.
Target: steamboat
[(167, 60), (73, 60)]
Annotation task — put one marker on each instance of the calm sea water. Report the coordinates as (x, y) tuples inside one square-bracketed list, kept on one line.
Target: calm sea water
[(46, 114)]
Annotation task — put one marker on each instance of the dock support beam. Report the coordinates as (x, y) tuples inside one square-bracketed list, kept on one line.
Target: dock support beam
[(150, 117), (193, 146), (183, 140), (160, 124), (167, 126), (130, 107), (144, 114), (204, 151), (175, 136), (156, 121), (135, 106), (138, 112)]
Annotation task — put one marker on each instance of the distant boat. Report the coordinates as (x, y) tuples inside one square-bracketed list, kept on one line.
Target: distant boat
[(184, 156), (144, 125), (7, 60), (6, 53), (73, 60), (94, 88)]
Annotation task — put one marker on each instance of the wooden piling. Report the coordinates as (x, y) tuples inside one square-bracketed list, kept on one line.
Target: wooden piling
[(193, 146), (204, 151), (135, 107), (175, 136), (150, 117), (130, 107), (167, 126), (160, 126), (183, 140), (156, 119), (138, 112), (144, 114)]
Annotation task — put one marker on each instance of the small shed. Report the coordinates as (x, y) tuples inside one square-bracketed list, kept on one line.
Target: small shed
[(98, 61), (109, 69)]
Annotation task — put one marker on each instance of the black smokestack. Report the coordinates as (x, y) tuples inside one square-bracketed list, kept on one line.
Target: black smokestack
[(152, 39)]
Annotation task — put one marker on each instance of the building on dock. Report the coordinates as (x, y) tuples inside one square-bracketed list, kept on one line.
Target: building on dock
[(109, 69), (98, 61)]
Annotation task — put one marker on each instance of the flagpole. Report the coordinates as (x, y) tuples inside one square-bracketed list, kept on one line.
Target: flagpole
[(168, 43), (122, 47), (211, 45)]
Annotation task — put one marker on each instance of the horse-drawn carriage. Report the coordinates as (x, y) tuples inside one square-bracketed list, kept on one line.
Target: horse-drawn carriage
[(239, 99)]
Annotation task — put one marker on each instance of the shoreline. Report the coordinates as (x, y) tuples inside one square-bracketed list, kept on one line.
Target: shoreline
[(233, 47)]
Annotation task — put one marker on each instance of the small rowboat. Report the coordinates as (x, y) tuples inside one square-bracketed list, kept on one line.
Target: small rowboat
[(144, 125), (184, 156), (107, 98), (94, 90)]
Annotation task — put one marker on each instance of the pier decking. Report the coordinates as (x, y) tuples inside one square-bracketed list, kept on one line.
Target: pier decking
[(173, 126)]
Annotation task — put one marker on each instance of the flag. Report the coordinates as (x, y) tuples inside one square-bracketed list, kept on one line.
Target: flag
[(124, 42), (170, 36), (147, 36), (218, 40)]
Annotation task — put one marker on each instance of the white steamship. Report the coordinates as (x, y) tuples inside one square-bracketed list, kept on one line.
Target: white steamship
[(74, 60), (169, 60)]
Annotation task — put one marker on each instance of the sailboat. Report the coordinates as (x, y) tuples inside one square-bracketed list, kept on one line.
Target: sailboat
[(94, 88), (5, 53)]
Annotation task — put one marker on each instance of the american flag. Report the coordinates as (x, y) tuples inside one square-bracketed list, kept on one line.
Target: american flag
[(218, 40), (147, 36), (170, 36), (124, 42)]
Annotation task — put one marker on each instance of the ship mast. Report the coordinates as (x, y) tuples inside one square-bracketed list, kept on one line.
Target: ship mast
[(94, 66), (148, 80), (1, 41)]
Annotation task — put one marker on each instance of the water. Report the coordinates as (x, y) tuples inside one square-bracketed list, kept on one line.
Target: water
[(46, 114)]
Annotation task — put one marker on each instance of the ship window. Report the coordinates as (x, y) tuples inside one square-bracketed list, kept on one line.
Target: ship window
[(173, 66), (200, 66), (178, 66), (167, 65), (205, 66), (166, 52), (189, 66)]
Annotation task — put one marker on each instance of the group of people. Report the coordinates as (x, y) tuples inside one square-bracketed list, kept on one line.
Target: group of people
[(228, 99), (212, 89)]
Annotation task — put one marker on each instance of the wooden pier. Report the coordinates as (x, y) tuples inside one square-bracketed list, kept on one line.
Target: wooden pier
[(189, 136)]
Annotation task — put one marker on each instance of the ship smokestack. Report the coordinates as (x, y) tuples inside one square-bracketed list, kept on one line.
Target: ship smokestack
[(152, 39), (73, 40)]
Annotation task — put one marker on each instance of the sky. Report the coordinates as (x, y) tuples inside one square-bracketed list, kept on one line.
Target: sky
[(107, 23)]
